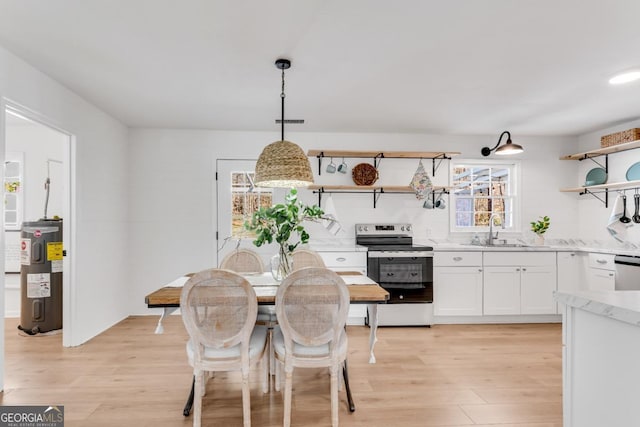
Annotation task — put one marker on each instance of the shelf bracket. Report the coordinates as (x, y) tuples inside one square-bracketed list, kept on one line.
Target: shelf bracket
[(440, 158), (604, 200), (606, 161), (376, 161), (320, 156), (376, 196)]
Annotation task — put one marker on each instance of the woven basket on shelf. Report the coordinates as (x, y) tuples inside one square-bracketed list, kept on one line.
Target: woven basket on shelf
[(364, 174), (620, 137)]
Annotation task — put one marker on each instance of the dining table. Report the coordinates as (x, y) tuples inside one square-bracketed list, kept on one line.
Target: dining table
[(362, 290)]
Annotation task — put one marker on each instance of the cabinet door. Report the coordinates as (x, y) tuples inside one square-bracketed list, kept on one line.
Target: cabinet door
[(457, 291), (502, 290), (570, 271), (536, 290), (599, 279)]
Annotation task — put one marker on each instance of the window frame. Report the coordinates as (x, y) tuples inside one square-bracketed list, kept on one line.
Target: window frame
[(514, 186)]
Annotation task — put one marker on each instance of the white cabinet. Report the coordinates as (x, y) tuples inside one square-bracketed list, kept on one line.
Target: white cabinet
[(601, 273), (345, 261), (502, 290), (457, 284), (349, 261), (571, 271), (519, 283)]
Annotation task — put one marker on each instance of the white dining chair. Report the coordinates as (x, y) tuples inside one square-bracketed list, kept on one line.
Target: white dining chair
[(219, 310), (302, 258), (312, 305), (249, 262), (243, 261)]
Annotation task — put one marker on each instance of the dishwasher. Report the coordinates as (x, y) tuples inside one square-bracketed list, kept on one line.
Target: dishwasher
[(627, 273)]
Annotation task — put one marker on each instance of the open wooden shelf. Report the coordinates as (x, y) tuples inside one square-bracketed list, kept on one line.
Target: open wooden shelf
[(601, 187), (384, 154), (367, 188), (603, 151), (376, 190)]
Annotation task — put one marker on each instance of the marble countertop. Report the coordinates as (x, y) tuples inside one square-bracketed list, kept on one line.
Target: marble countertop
[(349, 245), (450, 246), (619, 305)]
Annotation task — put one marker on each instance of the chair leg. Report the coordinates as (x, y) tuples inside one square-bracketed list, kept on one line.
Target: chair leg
[(334, 396), (288, 384), (266, 377), (246, 399), (197, 399), (277, 382)]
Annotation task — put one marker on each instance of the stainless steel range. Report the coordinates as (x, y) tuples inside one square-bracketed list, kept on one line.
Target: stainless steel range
[(403, 269)]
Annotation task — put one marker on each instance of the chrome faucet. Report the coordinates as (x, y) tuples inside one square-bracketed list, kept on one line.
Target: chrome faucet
[(492, 238)]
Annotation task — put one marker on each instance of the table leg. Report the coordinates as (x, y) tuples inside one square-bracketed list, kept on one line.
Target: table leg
[(187, 407), (373, 330), (166, 311), (345, 375)]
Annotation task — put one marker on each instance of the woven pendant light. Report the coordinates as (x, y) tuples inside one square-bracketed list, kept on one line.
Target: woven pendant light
[(283, 163)]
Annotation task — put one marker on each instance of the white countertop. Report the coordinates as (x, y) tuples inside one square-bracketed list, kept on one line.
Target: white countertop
[(620, 305), (448, 246)]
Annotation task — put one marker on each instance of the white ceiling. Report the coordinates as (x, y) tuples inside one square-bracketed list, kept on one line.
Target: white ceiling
[(534, 67)]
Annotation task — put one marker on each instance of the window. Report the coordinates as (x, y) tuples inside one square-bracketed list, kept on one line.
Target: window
[(13, 191), (245, 200), (481, 189)]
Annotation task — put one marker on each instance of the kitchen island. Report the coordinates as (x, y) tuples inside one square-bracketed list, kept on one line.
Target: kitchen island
[(601, 358)]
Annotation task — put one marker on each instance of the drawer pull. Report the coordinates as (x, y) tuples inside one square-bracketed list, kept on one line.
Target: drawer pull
[(457, 258), (524, 269), (601, 261), (341, 259)]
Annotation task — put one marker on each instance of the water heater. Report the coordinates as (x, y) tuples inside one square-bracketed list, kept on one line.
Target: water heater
[(41, 255)]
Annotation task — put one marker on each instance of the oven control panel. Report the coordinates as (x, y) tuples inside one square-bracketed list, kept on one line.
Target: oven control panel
[(384, 230)]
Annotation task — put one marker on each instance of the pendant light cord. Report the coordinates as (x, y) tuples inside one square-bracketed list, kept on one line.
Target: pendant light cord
[(282, 109)]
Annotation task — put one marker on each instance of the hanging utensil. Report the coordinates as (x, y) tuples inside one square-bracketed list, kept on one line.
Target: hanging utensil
[(636, 216), (624, 218)]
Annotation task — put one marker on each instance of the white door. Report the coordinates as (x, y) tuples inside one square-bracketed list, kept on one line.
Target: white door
[(236, 200)]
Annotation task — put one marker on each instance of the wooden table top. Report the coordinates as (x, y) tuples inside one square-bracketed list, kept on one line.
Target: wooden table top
[(169, 296)]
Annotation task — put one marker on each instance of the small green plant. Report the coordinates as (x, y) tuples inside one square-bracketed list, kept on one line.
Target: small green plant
[(541, 226), (280, 222)]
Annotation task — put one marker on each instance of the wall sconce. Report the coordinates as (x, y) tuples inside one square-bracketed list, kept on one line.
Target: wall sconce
[(507, 149)]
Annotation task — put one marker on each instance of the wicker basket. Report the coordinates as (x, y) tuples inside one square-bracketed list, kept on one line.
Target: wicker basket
[(620, 137), (364, 174)]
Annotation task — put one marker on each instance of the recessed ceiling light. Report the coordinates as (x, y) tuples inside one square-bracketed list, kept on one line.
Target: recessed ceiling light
[(626, 77)]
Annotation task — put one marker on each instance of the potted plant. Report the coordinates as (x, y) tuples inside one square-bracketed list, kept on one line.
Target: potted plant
[(540, 227), (280, 223)]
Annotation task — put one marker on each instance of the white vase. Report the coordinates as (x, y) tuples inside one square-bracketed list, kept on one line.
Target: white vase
[(539, 240)]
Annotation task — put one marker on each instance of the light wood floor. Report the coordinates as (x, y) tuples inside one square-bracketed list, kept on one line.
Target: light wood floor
[(449, 375)]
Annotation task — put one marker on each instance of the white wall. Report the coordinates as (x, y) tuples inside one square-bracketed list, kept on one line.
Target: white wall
[(99, 162), (594, 215), (172, 191), (38, 143)]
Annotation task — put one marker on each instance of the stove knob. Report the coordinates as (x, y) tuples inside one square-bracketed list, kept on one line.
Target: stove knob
[(366, 228), (401, 296), (408, 228), (402, 228)]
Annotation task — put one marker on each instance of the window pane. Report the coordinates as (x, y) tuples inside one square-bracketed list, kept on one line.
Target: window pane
[(245, 200), (481, 190)]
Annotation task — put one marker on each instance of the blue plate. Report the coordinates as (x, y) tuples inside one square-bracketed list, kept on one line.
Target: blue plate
[(633, 173), (596, 176)]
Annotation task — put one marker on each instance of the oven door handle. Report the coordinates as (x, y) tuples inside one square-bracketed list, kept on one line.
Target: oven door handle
[(400, 254)]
